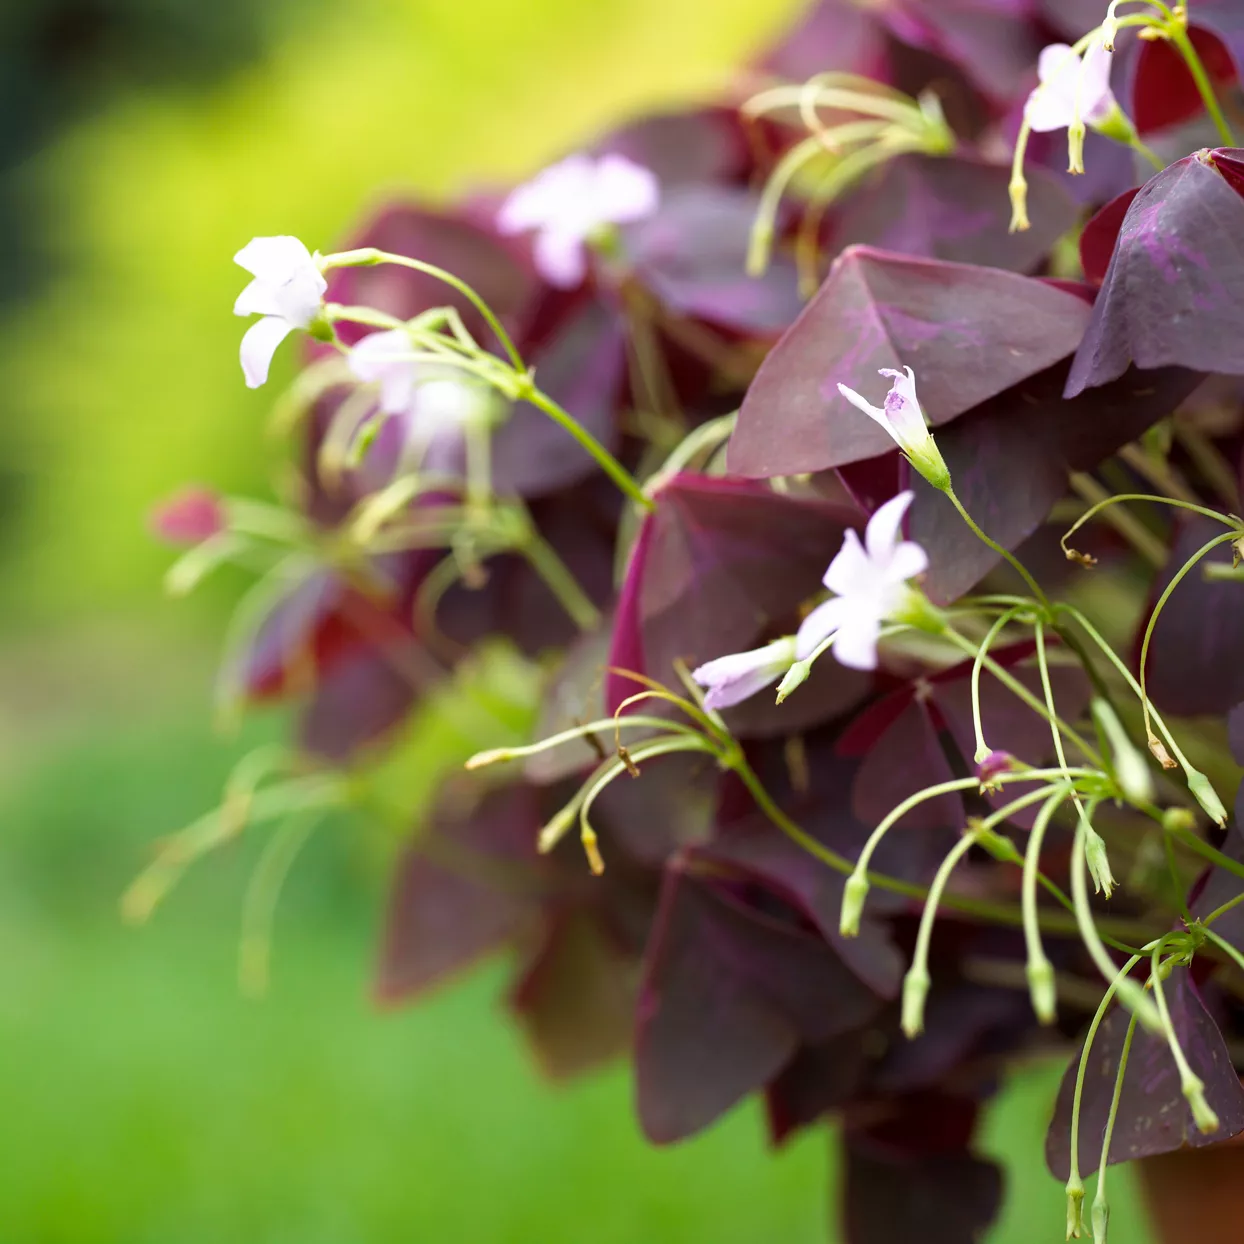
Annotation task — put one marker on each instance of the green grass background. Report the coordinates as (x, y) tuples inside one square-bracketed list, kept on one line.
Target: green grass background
[(144, 1099)]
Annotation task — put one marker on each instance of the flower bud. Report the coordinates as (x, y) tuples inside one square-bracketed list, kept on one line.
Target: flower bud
[(903, 419), (990, 766), (1178, 821), (1075, 146), (1101, 1219), (1130, 767), (1040, 973), (1193, 1089), (1018, 190), (1207, 797), (854, 894), (1098, 863), (795, 677), (1075, 1204), (915, 991), (189, 517)]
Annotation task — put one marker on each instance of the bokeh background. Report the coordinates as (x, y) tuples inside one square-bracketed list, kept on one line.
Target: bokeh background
[(144, 1098)]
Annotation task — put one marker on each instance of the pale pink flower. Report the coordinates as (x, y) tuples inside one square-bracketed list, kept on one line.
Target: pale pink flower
[(569, 203), (1072, 88), (869, 582), (738, 676)]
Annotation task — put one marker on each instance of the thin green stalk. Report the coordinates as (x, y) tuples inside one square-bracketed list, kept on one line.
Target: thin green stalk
[(1039, 970), (1101, 1212), (1010, 557), (916, 982), (1225, 946), (1190, 1084), (1018, 689), (369, 256), (608, 463), (1177, 32), (500, 755), (1178, 577), (1129, 991), (982, 750)]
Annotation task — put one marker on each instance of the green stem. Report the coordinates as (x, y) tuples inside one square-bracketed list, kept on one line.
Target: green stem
[(1100, 1209), (1176, 31), (369, 256), (982, 749), (608, 463), (1014, 561), (1206, 548), (1039, 970), (1017, 688)]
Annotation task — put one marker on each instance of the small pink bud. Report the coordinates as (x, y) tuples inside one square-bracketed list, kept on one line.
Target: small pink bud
[(190, 516), (992, 767)]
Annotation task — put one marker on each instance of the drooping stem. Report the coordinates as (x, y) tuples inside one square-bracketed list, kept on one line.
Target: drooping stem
[(982, 748), (1101, 1212), (1010, 557), (1039, 970), (1190, 1084)]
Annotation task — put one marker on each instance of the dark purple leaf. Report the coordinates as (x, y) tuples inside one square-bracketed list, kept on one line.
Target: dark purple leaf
[(1009, 461), (954, 208), (729, 994), (1101, 233), (1235, 733), (1194, 655), (685, 148), (911, 1175), (969, 333), (691, 254), (835, 35), (942, 1198), (576, 1000), (447, 908), (819, 1079), (1153, 1116), (1170, 295), (363, 698)]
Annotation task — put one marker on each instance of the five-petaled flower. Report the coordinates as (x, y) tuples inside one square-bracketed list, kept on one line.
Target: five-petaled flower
[(287, 291), (903, 419), (573, 202), (431, 397), (1074, 91), (869, 582), (734, 678)]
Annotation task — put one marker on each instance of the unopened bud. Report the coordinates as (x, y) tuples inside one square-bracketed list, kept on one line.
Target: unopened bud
[(915, 991), (1110, 27), (1075, 1205), (1205, 794), (854, 895), (1178, 820), (1075, 146), (1193, 1089), (795, 677), (189, 517), (1019, 204), (595, 861), (1130, 768), (556, 829), (998, 845), (1098, 862), (1041, 988), (991, 766), (1101, 1219)]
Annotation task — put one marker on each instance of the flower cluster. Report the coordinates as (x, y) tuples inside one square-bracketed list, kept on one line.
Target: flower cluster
[(902, 805)]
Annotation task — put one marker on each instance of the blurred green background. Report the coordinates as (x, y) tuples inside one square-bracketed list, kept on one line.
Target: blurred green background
[(141, 143)]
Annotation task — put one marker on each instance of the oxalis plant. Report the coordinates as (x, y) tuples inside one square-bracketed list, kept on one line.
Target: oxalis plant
[(824, 509)]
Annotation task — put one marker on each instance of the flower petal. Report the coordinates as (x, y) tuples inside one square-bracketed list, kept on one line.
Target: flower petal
[(560, 257), (850, 570), (274, 260), (387, 358), (624, 191), (1052, 105), (738, 676), (873, 412), (907, 561), (882, 534), (1096, 98), (259, 345), (257, 299), (819, 625), (856, 643), (548, 197)]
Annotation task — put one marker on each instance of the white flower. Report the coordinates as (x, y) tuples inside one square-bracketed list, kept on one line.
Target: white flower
[(432, 398), (1072, 89), (870, 585), (287, 291), (903, 419), (734, 678), (570, 202)]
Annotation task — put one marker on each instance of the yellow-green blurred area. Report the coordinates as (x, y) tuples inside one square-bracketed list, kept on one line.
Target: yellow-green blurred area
[(144, 1098)]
